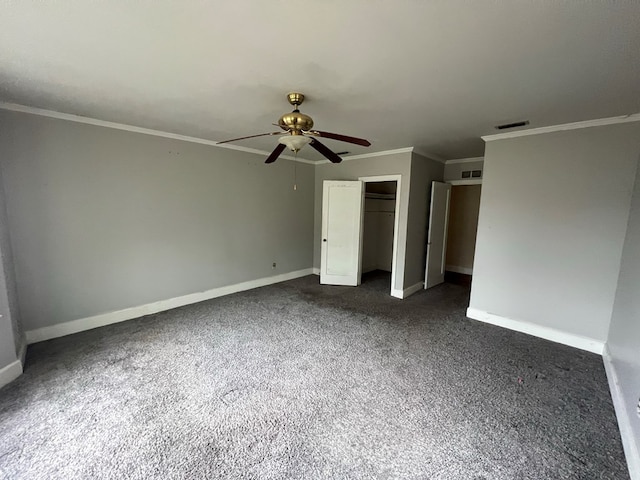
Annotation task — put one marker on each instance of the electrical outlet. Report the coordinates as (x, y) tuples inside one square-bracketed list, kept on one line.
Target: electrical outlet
[(274, 265)]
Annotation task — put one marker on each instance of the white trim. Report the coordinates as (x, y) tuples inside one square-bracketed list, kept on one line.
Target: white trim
[(10, 372), (387, 152), (131, 128), (428, 155), (14, 107), (382, 178), (397, 293), (79, 325), (558, 336), (631, 448), (407, 291), (316, 271), (368, 155), (465, 181), (634, 117), (397, 267), (464, 160), (413, 289), (456, 269)]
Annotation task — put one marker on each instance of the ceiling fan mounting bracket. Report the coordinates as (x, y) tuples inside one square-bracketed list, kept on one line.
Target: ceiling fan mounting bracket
[(295, 98)]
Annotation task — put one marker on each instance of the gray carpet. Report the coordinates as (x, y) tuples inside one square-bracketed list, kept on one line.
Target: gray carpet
[(298, 380)]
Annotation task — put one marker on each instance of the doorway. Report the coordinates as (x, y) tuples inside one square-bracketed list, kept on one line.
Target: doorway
[(380, 230), (461, 237)]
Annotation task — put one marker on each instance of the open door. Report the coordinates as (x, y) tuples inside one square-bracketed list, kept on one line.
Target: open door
[(342, 217), (437, 238)]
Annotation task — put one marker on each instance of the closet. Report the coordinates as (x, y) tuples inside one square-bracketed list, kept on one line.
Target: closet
[(379, 220)]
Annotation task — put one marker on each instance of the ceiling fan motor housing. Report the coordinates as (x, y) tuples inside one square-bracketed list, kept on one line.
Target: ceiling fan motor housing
[(295, 122)]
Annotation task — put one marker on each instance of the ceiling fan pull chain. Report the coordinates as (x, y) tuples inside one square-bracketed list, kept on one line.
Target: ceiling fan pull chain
[(295, 172)]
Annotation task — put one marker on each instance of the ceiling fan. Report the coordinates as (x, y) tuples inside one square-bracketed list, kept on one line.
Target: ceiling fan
[(298, 127)]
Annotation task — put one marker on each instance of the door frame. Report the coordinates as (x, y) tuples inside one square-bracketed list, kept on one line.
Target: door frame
[(461, 183), (396, 225)]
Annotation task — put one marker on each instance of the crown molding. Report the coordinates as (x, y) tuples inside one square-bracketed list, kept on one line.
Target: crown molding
[(634, 117), (387, 152), (428, 155), (464, 160), (14, 107), (369, 155)]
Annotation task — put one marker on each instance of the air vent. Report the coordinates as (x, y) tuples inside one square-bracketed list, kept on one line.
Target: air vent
[(512, 125), (472, 174)]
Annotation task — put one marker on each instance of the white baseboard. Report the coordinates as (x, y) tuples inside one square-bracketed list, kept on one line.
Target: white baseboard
[(316, 271), (558, 336), (629, 443), (407, 291), (75, 326), (10, 373), (412, 289), (456, 269)]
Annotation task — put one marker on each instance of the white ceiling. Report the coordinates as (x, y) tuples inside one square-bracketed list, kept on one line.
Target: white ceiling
[(431, 74)]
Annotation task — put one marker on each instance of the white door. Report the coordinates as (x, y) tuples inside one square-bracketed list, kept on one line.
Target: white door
[(341, 245), (437, 238)]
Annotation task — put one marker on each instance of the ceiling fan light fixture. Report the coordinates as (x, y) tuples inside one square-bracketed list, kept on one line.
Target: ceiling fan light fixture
[(294, 142)]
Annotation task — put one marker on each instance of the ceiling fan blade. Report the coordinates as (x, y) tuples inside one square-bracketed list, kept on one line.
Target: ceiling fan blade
[(250, 136), (342, 138), (333, 157), (276, 153)]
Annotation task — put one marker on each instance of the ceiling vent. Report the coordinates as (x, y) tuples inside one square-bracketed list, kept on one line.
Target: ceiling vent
[(512, 125), (472, 174)]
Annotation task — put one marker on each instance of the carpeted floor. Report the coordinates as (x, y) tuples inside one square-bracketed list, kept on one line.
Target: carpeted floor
[(298, 380)]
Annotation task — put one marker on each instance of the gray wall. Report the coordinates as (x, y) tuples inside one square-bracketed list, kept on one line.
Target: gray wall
[(453, 171), (8, 353), (624, 334), (553, 217), (423, 172), (392, 164), (11, 335), (103, 219)]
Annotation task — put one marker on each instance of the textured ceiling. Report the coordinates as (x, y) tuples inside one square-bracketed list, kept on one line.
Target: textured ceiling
[(433, 74)]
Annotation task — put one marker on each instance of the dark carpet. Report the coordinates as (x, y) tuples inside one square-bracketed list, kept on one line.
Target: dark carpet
[(298, 380)]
